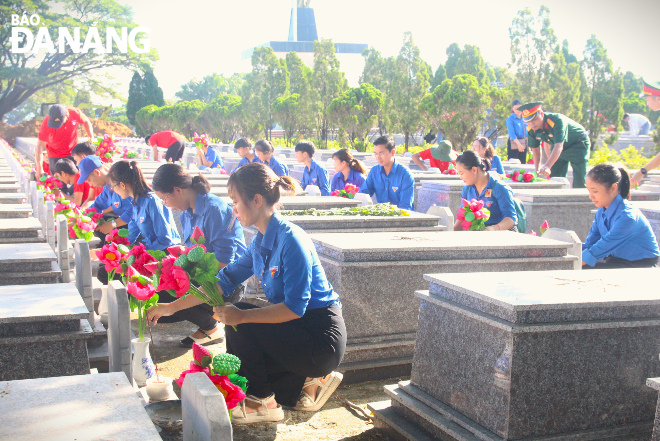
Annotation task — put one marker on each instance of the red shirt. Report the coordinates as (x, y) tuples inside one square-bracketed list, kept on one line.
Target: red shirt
[(81, 188), (45, 167), (442, 165), (60, 142), (165, 138)]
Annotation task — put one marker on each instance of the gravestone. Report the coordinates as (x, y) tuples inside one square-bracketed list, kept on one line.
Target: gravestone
[(570, 237), (43, 331), (119, 330), (9, 188), (307, 202), (654, 383), (566, 209), (375, 273), (15, 211), (21, 231), (13, 198), (205, 415), (28, 263), (651, 210), (50, 227), (448, 193), (63, 255), (81, 407), (559, 355)]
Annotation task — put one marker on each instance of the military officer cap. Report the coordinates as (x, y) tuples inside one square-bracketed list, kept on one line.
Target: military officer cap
[(529, 110), (651, 88)]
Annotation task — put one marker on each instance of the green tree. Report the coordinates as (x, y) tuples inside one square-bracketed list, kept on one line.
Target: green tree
[(604, 90), (300, 78), (569, 57), (409, 86), (439, 76), (532, 45), (23, 74), (63, 93), (453, 54), (632, 83), (328, 83), (565, 82), (143, 91), (289, 115), (379, 72), (270, 79), (184, 117), (220, 118), (356, 112), (470, 62), (145, 120), (458, 107), (210, 87)]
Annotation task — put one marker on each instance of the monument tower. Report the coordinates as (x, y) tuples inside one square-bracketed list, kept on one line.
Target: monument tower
[(303, 33)]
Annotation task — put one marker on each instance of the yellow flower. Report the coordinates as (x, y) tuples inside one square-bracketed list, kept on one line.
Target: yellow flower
[(405, 213)]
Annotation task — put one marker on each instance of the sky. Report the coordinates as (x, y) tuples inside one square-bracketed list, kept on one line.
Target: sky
[(195, 38)]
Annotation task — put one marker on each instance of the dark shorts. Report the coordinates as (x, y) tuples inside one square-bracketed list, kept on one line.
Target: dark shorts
[(175, 151)]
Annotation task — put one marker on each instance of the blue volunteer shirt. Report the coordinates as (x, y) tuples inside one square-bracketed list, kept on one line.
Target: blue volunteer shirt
[(223, 233), (622, 231), (288, 267), (397, 188), (121, 207), (212, 155), (338, 181), (316, 175), (279, 168), (496, 165), (154, 222), (516, 127), (245, 161), (497, 197)]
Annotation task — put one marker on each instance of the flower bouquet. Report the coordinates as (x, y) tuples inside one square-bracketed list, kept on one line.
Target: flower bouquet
[(348, 192), (82, 228), (49, 184), (105, 147), (473, 215), (201, 141), (523, 176), (222, 371), (451, 170)]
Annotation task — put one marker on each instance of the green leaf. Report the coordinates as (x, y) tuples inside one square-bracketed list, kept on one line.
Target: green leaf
[(469, 216), (157, 254), (130, 260), (123, 249), (123, 232), (181, 261), (206, 361)]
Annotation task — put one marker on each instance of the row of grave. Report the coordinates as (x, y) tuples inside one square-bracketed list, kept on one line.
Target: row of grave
[(51, 336), (376, 273)]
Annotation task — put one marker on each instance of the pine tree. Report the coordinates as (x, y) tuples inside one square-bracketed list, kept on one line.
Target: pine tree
[(143, 91)]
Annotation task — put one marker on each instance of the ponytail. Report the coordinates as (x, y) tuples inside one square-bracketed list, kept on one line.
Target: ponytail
[(345, 156), (608, 175), (471, 159), (257, 178), (131, 174), (264, 146), (168, 176), (488, 147)]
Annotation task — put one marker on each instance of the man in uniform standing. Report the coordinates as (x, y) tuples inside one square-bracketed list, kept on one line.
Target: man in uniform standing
[(565, 142), (651, 92)]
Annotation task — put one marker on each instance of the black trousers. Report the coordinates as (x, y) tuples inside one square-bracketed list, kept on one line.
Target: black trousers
[(615, 262), (199, 315), (514, 153), (175, 151), (277, 358)]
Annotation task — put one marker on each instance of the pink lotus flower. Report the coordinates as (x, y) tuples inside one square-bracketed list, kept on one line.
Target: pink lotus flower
[(533, 233), (200, 351), (528, 177), (466, 225), (152, 267), (544, 226), (479, 214), (140, 291), (465, 203), (176, 250), (85, 226), (334, 193), (461, 213), (141, 258), (72, 233), (115, 238), (476, 205)]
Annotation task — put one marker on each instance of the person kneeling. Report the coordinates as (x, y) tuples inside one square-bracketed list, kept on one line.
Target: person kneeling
[(620, 236)]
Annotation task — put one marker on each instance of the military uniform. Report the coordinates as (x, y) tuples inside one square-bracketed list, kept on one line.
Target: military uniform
[(560, 128)]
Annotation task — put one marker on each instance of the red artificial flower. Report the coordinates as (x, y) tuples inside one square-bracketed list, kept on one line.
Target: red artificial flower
[(461, 214), (72, 233), (466, 225), (533, 233), (193, 369), (176, 250), (544, 226), (173, 277), (528, 177), (152, 267), (141, 258), (200, 351), (181, 281), (334, 193), (196, 235), (476, 205), (115, 238), (233, 394)]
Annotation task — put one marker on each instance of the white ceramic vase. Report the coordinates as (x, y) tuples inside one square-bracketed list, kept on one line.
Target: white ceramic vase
[(143, 367)]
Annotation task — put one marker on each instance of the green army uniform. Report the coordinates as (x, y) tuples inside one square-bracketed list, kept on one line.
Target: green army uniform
[(560, 128)]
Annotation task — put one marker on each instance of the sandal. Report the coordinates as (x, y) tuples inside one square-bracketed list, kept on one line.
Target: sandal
[(240, 416), (323, 393), (208, 338)]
